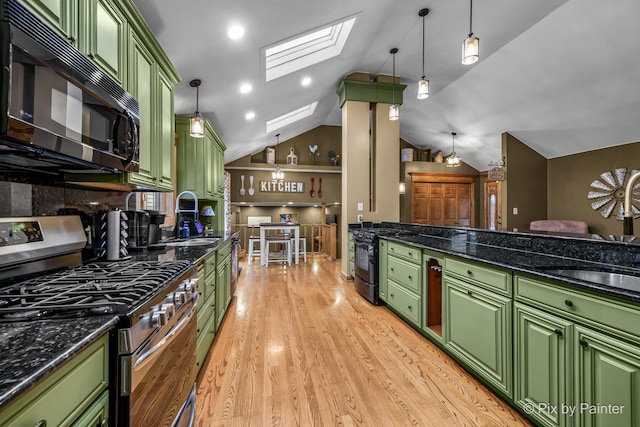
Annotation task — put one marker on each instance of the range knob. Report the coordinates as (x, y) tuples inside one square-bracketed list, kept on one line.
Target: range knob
[(168, 308), (195, 284), (158, 319), (178, 298)]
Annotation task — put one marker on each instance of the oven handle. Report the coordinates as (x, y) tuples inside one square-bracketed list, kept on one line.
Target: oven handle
[(148, 355)]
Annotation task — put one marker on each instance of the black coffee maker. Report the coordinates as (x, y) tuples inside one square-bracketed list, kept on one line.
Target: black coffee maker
[(156, 219), (138, 221)]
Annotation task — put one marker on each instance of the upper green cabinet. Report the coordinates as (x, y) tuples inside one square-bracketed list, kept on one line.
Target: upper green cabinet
[(60, 15), (103, 37), (200, 161)]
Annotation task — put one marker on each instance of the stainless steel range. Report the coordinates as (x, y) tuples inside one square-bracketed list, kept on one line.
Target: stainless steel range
[(154, 346)]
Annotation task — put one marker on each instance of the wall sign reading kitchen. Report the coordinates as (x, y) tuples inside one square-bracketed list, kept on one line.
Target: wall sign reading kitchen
[(281, 186)]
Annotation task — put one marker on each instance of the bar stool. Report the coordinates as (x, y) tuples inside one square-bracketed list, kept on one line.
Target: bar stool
[(281, 255), (302, 247), (253, 251)]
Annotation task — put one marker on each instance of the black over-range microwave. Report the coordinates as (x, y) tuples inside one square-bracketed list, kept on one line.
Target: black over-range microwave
[(59, 112)]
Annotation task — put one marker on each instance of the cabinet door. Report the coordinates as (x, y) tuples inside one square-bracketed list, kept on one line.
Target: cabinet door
[(543, 365), (104, 37), (96, 415), (221, 296), (141, 87), (607, 380), (210, 166), (477, 329), (420, 203), (165, 142), (383, 278), (59, 15)]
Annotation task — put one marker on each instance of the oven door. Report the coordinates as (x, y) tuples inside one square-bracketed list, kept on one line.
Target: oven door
[(364, 259), (163, 373)]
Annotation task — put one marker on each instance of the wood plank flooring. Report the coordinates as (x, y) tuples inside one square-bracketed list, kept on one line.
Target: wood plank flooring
[(299, 347)]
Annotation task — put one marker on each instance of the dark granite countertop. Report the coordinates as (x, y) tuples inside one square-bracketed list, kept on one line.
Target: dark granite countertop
[(33, 350), (541, 256)]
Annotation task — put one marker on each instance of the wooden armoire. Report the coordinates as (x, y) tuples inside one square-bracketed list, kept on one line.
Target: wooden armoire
[(442, 199)]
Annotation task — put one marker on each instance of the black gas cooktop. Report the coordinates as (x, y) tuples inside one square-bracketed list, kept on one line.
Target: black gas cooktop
[(92, 289)]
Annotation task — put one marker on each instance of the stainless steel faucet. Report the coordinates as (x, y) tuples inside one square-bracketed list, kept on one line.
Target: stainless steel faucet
[(628, 211), (179, 211)]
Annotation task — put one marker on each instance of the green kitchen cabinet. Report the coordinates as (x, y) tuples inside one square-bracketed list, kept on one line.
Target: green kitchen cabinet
[(60, 15), (383, 278), (432, 266), (71, 394), (404, 282), (97, 415), (477, 329), (104, 37), (607, 380), (165, 131), (223, 281), (352, 265), (206, 328), (543, 361), (200, 161)]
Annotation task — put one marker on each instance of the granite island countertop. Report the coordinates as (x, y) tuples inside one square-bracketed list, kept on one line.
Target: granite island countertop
[(562, 253), (32, 350)]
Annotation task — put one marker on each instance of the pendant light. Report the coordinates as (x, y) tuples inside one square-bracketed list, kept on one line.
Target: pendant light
[(394, 109), (453, 161), (196, 123), (277, 174), (423, 84), (471, 45)]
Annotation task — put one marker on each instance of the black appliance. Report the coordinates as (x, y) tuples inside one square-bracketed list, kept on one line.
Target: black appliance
[(156, 219), (153, 348), (365, 241), (138, 230), (59, 112)]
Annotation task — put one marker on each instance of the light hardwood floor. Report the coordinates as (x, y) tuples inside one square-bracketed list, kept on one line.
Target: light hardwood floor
[(299, 347)]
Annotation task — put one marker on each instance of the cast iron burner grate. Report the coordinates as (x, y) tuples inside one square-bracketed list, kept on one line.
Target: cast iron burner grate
[(93, 289)]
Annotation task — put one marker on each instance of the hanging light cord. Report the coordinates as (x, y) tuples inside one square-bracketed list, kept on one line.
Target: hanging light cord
[(393, 79), (470, 17), (423, 47)]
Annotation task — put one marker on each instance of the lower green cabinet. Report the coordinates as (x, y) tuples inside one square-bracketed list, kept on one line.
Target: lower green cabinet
[(97, 415), (542, 365), (607, 380), (352, 266), (67, 396), (477, 329)]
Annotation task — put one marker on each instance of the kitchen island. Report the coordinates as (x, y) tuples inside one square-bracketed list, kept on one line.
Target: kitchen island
[(35, 352), (547, 322)]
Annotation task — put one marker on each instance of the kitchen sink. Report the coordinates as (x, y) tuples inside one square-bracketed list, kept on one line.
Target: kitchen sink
[(203, 241), (616, 280)]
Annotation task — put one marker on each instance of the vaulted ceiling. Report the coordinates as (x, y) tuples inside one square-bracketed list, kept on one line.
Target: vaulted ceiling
[(563, 76)]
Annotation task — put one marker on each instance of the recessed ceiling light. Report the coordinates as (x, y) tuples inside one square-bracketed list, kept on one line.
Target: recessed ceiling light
[(242, 203), (250, 115), (235, 32), (306, 81), (245, 88)]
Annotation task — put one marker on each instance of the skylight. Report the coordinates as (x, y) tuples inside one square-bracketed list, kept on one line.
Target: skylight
[(300, 52), (293, 116)]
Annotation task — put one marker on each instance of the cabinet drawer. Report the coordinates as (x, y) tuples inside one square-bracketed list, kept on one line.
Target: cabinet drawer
[(405, 302), (578, 305), (352, 256), (491, 278), (405, 273), (210, 265), (205, 339), (63, 396), (206, 310), (351, 246), (407, 252), (97, 413)]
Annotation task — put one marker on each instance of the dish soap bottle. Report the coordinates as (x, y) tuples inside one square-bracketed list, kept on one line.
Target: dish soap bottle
[(185, 229)]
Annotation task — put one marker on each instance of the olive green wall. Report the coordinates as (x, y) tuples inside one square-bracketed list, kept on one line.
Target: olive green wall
[(570, 179), (525, 187)]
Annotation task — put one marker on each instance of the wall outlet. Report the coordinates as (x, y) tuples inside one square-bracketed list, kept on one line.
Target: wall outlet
[(360, 217), (515, 211), (360, 207)]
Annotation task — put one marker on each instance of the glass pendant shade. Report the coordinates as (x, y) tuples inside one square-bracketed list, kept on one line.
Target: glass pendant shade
[(423, 88), (394, 112), (277, 174), (470, 50), (196, 125), (453, 161)]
